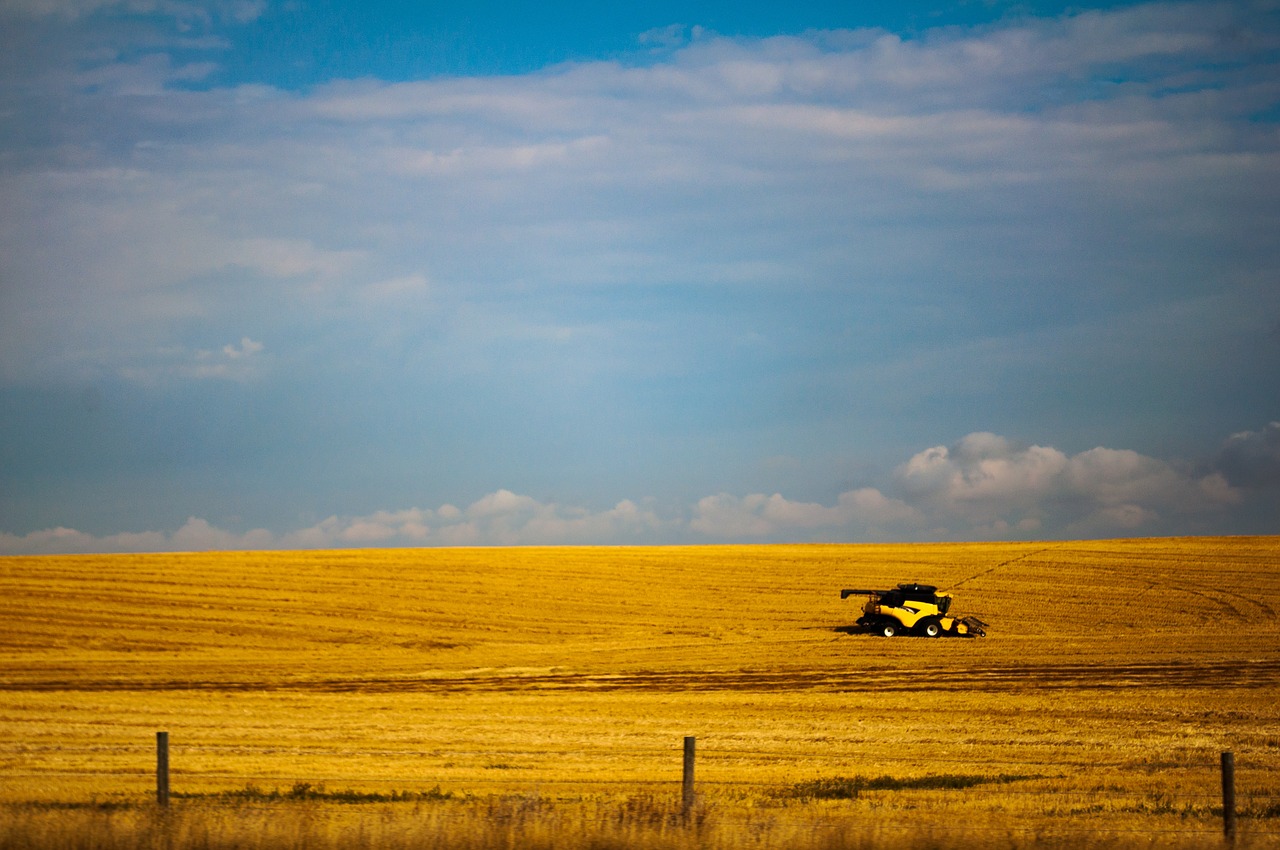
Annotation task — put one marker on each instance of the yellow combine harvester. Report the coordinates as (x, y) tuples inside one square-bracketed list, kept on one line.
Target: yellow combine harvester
[(913, 607)]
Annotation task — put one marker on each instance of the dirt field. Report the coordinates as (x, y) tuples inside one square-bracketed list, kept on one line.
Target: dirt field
[(539, 697)]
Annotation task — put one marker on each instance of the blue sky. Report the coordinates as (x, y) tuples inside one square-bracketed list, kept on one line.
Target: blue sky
[(296, 274)]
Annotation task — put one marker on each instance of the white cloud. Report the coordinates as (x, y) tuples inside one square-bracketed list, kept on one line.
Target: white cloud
[(185, 11), (865, 512), (198, 535), (500, 518), (71, 9), (195, 535), (503, 503), (233, 362), (669, 37), (494, 160), (989, 484), (287, 258), (247, 348), (147, 76), (397, 290), (724, 515), (1111, 477), (506, 518), (984, 469)]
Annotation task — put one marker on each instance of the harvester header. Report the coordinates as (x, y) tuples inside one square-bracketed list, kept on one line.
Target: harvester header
[(911, 607)]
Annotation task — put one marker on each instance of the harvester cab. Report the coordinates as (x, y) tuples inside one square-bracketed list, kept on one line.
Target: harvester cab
[(918, 608)]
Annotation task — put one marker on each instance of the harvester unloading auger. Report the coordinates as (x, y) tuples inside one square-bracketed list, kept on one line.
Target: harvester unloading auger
[(913, 607)]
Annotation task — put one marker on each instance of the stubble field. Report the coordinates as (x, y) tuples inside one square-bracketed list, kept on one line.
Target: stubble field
[(539, 697)]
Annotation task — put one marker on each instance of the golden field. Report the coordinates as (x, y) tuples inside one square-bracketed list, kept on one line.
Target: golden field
[(538, 697)]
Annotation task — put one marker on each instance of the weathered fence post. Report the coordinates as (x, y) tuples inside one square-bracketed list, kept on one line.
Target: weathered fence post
[(1229, 796), (162, 768), (687, 795)]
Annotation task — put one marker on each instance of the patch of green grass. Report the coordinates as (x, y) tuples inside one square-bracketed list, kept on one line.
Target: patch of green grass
[(1270, 811), (79, 805), (305, 791), (848, 788)]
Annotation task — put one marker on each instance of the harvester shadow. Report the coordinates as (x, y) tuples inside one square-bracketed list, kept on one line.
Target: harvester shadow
[(859, 630)]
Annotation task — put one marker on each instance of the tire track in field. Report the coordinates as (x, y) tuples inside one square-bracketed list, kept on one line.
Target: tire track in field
[(1160, 571), (1013, 678), (1230, 603), (998, 566), (1222, 597), (1020, 678)]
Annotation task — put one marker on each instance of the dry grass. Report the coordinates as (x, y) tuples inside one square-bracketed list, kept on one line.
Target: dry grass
[(545, 692)]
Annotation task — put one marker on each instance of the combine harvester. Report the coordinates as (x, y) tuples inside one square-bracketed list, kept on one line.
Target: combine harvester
[(918, 608)]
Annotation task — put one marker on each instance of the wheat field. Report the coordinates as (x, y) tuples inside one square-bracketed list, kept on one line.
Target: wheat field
[(538, 697)]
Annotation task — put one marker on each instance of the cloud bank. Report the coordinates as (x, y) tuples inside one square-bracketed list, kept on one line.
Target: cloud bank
[(502, 518), (983, 487)]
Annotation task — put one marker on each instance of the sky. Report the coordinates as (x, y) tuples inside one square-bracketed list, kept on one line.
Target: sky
[(312, 273)]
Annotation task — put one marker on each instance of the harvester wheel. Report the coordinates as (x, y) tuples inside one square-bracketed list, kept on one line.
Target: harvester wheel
[(888, 629), (931, 628)]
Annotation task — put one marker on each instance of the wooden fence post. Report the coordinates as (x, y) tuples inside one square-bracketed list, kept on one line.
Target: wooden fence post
[(1229, 796), (162, 768), (687, 795)]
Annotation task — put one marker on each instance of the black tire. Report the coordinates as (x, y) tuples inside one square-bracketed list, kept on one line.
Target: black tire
[(888, 629), (931, 628)]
